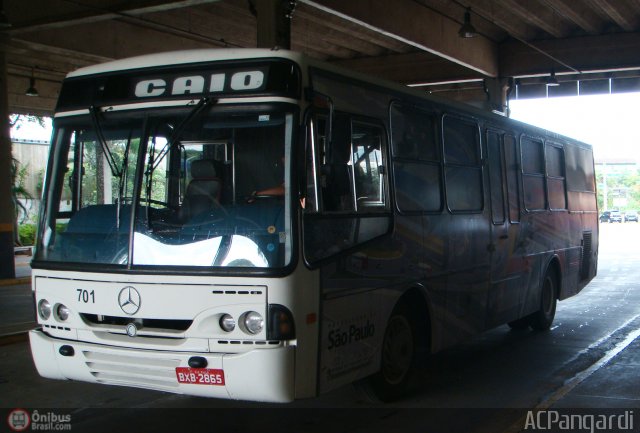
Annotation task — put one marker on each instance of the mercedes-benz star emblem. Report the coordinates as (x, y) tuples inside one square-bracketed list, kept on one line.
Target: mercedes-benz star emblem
[(129, 300)]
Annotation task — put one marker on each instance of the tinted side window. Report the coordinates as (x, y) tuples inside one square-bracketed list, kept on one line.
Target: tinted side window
[(495, 177), (533, 174), (579, 163), (368, 166), (346, 184), (413, 133), (416, 160), (336, 171), (555, 177), (463, 172), (511, 168)]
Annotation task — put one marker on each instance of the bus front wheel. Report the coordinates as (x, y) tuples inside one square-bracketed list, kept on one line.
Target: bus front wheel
[(398, 357)]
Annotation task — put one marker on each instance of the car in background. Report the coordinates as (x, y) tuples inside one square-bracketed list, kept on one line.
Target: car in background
[(631, 215), (605, 217), (615, 217), (611, 216)]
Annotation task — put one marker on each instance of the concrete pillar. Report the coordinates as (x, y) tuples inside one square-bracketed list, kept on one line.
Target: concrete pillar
[(497, 91), (7, 266), (274, 23)]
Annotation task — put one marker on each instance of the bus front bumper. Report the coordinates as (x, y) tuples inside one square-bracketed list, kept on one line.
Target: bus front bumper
[(265, 374)]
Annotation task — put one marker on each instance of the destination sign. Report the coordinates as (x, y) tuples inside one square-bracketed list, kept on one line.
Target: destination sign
[(217, 79)]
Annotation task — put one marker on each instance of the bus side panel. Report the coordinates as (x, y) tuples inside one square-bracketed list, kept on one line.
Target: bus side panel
[(468, 264), (358, 293), (351, 336)]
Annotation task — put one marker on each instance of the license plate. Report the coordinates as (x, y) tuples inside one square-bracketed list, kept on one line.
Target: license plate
[(200, 376)]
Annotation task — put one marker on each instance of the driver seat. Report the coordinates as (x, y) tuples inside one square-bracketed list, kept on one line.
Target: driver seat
[(203, 192)]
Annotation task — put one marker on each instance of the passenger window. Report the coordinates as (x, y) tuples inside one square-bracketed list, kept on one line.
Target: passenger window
[(495, 178), (368, 165), (336, 173), (346, 180), (413, 134), (533, 174), (463, 172), (555, 177), (352, 168), (511, 166), (416, 161)]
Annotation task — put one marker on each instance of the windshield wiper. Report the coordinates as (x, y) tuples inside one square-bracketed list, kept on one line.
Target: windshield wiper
[(123, 179), (103, 143)]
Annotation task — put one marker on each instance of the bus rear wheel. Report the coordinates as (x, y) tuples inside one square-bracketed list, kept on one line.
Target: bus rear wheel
[(542, 319), (398, 357)]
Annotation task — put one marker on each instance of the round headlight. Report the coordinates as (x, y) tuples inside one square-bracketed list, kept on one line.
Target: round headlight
[(62, 312), (253, 322), (44, 309), (227, 323)]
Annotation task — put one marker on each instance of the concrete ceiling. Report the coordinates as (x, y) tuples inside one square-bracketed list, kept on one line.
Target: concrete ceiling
[(409, 41)]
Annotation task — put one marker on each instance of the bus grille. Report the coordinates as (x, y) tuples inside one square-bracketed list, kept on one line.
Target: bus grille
[(586, 255), (169, 324), (130, 370)]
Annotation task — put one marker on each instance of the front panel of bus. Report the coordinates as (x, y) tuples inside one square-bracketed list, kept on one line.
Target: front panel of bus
[(166, 249)]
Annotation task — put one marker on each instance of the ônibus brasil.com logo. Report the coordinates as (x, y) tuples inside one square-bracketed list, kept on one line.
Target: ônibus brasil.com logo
[(20, 420)]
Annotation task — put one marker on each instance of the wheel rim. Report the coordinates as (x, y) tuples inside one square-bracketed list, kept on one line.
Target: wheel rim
[(397, 350)]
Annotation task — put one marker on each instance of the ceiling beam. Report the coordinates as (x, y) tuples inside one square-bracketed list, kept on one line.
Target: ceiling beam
[(411, 68), (613, 12), (579, 15), (535, 17), (113, 39), (417, 26), (53, 14), (586, 53), (503, 18)]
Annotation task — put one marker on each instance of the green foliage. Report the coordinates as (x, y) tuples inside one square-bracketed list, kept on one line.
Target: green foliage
[(18, 190), (27, 232), (622, 184)]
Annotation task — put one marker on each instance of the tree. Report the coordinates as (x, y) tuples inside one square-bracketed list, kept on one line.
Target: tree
[(18, 191), (17, 120), (19, 174)]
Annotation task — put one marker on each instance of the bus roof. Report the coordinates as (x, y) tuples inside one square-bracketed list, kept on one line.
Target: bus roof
[(205, 55), (185, 57)]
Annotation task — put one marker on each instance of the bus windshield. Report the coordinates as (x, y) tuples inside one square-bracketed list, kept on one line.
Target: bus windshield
[(190, 187)]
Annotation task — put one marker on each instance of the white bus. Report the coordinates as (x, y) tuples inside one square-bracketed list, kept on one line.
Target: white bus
[(256, 225)]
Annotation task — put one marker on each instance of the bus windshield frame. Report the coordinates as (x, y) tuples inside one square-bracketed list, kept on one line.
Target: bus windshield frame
[(210, 191)]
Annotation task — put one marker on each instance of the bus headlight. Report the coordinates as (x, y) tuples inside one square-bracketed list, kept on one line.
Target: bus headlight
[(44, 309), (253, 322), (227, 323), (62, 312)]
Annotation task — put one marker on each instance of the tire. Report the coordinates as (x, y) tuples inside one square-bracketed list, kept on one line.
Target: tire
[(398, 358), (542, 319)]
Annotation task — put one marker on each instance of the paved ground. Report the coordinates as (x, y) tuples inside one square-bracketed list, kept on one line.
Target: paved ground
[(497, 382)]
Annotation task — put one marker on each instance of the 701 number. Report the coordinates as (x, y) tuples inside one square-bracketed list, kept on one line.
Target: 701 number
[(86, 296)]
